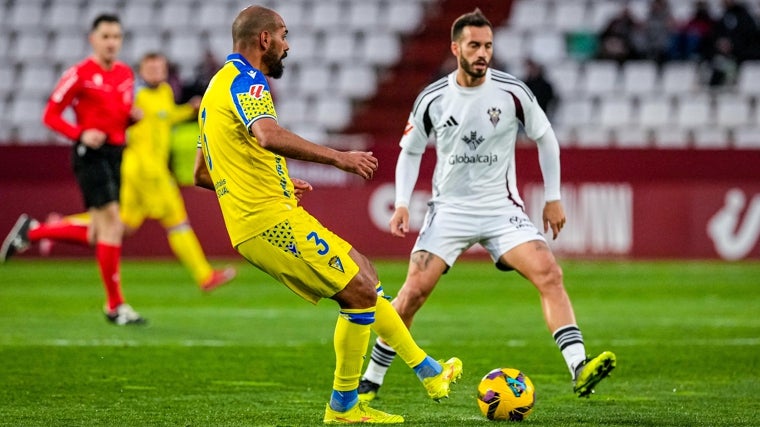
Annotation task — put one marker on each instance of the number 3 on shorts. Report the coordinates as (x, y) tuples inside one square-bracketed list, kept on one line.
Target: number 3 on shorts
[(319, 242)]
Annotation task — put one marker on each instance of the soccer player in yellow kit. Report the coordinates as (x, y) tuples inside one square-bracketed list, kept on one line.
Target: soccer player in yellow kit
[(242, 158), (148, 189)]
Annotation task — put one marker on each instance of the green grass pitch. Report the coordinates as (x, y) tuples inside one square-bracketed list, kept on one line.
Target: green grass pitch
[(686, 334)]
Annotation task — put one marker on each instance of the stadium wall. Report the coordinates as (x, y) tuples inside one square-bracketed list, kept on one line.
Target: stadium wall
[(628, 204)]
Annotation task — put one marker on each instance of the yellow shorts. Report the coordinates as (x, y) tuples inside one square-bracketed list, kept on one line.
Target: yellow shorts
[(150, 193), (304, 255)]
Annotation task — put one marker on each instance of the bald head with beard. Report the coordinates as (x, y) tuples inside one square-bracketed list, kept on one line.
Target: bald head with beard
[(256, 34)]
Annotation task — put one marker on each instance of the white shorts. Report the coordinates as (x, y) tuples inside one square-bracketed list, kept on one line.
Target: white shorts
[(447, 234)]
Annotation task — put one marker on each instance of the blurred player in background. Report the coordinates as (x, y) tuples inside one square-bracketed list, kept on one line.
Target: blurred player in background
[(474, 114), (242, 157), (100, 90), (149, 190)]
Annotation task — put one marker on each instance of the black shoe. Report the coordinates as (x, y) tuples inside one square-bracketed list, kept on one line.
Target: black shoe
[(367, 390), (17, 240)]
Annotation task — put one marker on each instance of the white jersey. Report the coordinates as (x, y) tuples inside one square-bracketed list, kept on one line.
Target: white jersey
[(475, 132)]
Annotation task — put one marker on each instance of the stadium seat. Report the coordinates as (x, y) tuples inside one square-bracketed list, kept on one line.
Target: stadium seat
[(732, 110), (293, 110), (564, 77), (356, 81), (26, 114), (679, 77), (139, 15), (694, 111), (364, 16), (509, 46), (655, 112), (338, 47), (31, 45), (594, 137), (547, 47), (68, 47), (570, 16), (24, 15), (747, 137), (616, 112), (633, 137), (209, 16), (529, 15), (5, 45), (177, 15), (303, 46), (599, 78), (315, 80), (671, 137), (66, 16), (681, 10), (403, 16), (333, 112), (601, 11), (575, 112), (381, 49), (712, 137), (639, 77), (136, 44), (36, 79), (220, 43), (7, 79), (326, 16), (184, 48), (749, 78)]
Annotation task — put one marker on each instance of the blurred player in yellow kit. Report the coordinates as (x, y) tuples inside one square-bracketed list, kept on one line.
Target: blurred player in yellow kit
[(148, 189)]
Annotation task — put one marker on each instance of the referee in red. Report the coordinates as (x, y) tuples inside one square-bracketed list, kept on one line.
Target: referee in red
[(100, 89)]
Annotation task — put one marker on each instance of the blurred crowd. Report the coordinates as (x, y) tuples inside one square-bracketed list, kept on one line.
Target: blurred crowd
[(718, 43)]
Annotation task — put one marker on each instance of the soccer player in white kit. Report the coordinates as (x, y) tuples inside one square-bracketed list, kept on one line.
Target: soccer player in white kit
[(474, 115)]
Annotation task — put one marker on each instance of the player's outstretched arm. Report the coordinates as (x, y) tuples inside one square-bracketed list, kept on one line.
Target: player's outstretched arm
[(285, 143), (201, 176)]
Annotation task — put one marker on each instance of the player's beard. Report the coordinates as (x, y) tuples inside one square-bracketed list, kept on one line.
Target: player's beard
[(468, 68), (273, 62)]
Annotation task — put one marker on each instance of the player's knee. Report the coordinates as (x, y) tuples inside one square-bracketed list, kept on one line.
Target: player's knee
[(357, 294), (550, 277)]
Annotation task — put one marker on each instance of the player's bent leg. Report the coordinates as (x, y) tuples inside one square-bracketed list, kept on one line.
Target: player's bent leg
[(424, 271), (535, 261), (436, 376)]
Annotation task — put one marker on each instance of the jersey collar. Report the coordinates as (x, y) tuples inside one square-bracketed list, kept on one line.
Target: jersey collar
[(240, 59)]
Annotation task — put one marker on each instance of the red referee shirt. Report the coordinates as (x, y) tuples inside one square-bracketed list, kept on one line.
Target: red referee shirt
[(102, 99)]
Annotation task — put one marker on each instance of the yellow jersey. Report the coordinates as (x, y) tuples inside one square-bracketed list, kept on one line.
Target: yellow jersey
[(252, 184), (149, 140)]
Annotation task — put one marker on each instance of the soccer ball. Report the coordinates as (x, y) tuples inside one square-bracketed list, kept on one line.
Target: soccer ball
[(506, 394)]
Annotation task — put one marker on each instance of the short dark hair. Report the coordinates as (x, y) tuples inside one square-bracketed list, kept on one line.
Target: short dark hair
[(104, 17), (474, 19)]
